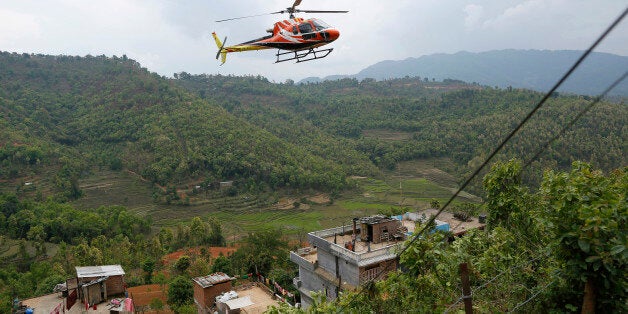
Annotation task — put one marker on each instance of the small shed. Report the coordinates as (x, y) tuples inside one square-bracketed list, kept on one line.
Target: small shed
[(207, 288), (234, 306), (97, 283), (379, 228)]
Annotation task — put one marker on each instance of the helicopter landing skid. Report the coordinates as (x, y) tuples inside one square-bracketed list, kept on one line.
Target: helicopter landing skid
[(303, 55)]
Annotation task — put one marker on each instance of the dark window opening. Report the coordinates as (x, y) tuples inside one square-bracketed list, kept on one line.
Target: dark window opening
[(305, 28)]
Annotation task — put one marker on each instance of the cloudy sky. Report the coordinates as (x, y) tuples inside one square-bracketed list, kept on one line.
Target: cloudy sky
[(169, 36)]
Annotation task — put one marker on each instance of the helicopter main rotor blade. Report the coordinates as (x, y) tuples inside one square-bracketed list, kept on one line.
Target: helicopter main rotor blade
[(295, 4), (320, 11), (245, 17)]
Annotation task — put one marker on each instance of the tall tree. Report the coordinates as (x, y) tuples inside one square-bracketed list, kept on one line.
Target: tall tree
[(588, 213)]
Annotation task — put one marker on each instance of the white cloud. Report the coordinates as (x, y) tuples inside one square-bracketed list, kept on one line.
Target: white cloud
[(169, 36), (16, 26), (526, 11), (474, 15)]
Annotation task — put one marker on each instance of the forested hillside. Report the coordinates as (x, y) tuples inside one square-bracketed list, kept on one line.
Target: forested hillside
[(64, 115), (404, 119)]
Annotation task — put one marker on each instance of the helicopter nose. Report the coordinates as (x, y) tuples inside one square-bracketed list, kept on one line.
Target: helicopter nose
[(332, 34)]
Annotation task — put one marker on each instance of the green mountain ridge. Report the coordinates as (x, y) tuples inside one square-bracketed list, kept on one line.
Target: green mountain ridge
[(64, 115), (537, 70)]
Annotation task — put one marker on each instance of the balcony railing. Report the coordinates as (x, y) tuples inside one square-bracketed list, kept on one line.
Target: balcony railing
[(369, 275), (299, 260), (316, 238)]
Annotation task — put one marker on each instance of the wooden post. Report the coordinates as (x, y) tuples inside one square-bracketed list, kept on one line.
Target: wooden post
[(466, 289)]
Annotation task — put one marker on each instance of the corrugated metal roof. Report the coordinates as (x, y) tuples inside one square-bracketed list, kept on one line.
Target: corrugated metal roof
[(99, 271), (239, 302), (213, 279)]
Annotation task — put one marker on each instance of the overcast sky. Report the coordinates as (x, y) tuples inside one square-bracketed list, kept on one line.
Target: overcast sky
[(169, 36)]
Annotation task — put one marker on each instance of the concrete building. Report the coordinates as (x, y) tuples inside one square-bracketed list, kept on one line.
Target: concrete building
[(343, 258), (207, 288)]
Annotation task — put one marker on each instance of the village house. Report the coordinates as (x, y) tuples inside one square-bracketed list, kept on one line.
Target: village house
[(97, 284), (345, 257), (207, 288)]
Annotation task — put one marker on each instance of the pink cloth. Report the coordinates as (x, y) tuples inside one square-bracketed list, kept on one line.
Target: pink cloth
[(128, 305)]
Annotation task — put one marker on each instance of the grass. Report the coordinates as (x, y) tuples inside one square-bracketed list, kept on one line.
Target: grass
[(10, 248), (356, 205), (413, 184)]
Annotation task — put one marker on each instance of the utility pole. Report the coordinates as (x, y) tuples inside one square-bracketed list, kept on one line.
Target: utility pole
[(466, 289)]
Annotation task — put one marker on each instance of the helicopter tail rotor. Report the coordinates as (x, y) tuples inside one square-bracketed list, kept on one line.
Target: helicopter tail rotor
[(221, 51)]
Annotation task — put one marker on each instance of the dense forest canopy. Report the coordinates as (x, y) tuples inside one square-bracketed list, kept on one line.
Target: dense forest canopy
[(428, 119), (70, 114)]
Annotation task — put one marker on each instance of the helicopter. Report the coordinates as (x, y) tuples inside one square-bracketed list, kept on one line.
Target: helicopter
[(295, 39)]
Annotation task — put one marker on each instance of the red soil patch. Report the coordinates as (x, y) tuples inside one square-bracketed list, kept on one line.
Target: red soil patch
[(214, 251), (143, 295)]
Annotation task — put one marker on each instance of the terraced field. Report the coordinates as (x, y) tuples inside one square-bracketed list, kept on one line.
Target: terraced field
[(412, 185)]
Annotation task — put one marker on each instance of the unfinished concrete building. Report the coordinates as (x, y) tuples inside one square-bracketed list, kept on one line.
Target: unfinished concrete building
[(345, 257)]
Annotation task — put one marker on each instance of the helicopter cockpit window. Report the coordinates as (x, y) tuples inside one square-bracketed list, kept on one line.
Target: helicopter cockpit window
[(294, 30), (305, 28), (320, 25)]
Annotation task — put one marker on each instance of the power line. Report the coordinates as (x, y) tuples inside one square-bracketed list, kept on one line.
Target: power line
[(521, 124), (504, 271), (452, 306), (503, 143), (486, 283), (533, 296)]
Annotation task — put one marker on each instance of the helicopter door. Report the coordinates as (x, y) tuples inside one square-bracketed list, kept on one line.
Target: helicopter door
[(307, 31)]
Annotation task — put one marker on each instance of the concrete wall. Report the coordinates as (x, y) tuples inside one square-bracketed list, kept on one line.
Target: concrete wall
[(309, 280), (327, 261), (349, 272)]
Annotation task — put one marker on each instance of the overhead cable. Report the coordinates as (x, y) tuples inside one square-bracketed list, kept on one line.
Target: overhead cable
[(503, 143)]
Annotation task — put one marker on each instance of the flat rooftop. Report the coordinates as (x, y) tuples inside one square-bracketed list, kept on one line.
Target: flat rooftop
[(455, 226), (363, 246), (48, 303), (262, 298)]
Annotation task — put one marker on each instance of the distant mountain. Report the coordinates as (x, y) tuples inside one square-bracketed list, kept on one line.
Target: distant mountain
[(532, 69)]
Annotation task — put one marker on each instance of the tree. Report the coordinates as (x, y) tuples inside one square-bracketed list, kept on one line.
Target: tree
[(156, 304), (148, 266), (215, 236), (182, 264), (434, 203), (37, 234), (221, 264), (180, 291), (260, 252), (588, 214)]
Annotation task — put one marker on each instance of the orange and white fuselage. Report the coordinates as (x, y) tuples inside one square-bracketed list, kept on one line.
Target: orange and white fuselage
[(295, 34)]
